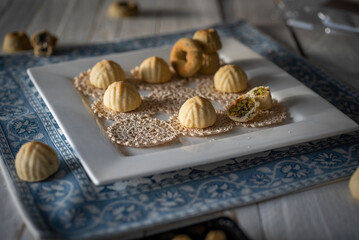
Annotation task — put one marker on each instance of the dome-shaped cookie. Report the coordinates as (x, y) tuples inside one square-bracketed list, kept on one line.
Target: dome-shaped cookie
[(181, 237), (16, 42), (216, 235), (36, 161), (106, 72), (209, 40), (121, 97), (197, 112), (155, 70), (44, 43), (121, 9), (210, 63), (230, 78), (354, 184)]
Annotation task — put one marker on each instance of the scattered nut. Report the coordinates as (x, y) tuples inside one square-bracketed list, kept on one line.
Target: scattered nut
[(16, 42), (43, 43)]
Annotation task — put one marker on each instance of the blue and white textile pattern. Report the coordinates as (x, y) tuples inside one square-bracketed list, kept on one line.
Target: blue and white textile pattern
[(69, 206)]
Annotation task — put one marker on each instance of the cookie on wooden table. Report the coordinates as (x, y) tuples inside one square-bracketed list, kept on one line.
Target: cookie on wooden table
[(44, 43), (16, 42), (121, 9)]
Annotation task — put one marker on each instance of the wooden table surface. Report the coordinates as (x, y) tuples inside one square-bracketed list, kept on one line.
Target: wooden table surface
[(326, 212)]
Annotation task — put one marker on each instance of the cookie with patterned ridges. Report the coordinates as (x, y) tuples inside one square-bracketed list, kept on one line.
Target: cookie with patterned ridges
[(122, 97), (223, 124), (155, 70), (230, 79), (197, 112), (205, 88), (106, 72), (175, 82), (36, 161), (82, 84), (100, 110)]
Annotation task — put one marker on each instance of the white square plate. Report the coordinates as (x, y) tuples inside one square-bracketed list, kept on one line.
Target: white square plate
[(310, 118)]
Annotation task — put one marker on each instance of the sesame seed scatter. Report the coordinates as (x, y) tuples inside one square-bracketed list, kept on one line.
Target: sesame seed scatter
[(140, 128)]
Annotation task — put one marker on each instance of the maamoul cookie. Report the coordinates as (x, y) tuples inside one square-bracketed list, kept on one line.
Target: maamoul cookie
[(36, 161), (83, 85), (197, 112), (16, 42), (223, 124), (155, 70), (354, 184), (186, 57), (123, 9), (121, 97), (147, 108), (230, 78), (44, 43), (216, 235), (263, 95), (210, 63), (106, 72), (243, 109), (209, 39), (181, 237)]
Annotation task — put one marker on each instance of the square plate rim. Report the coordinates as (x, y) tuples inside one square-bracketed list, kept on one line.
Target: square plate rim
[(108, 175)]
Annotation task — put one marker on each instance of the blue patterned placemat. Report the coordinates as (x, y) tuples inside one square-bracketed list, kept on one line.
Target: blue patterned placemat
[(68, 205)]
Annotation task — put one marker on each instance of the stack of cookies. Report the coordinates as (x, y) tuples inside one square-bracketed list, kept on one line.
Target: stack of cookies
[(211, 43)]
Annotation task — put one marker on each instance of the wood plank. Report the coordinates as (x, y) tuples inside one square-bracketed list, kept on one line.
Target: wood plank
[(105, 27), (321, 213), (157, 17), (325, 212), (249, 221), (262, 14), (11, 226), (4, 5), (145, 24), (259, 12), (48, 17), (17, 16), (189, 14), (26, 235), (79, 22)]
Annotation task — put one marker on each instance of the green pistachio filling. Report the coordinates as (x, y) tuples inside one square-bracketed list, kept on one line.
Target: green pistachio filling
[(260, 91), (242, 107)]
